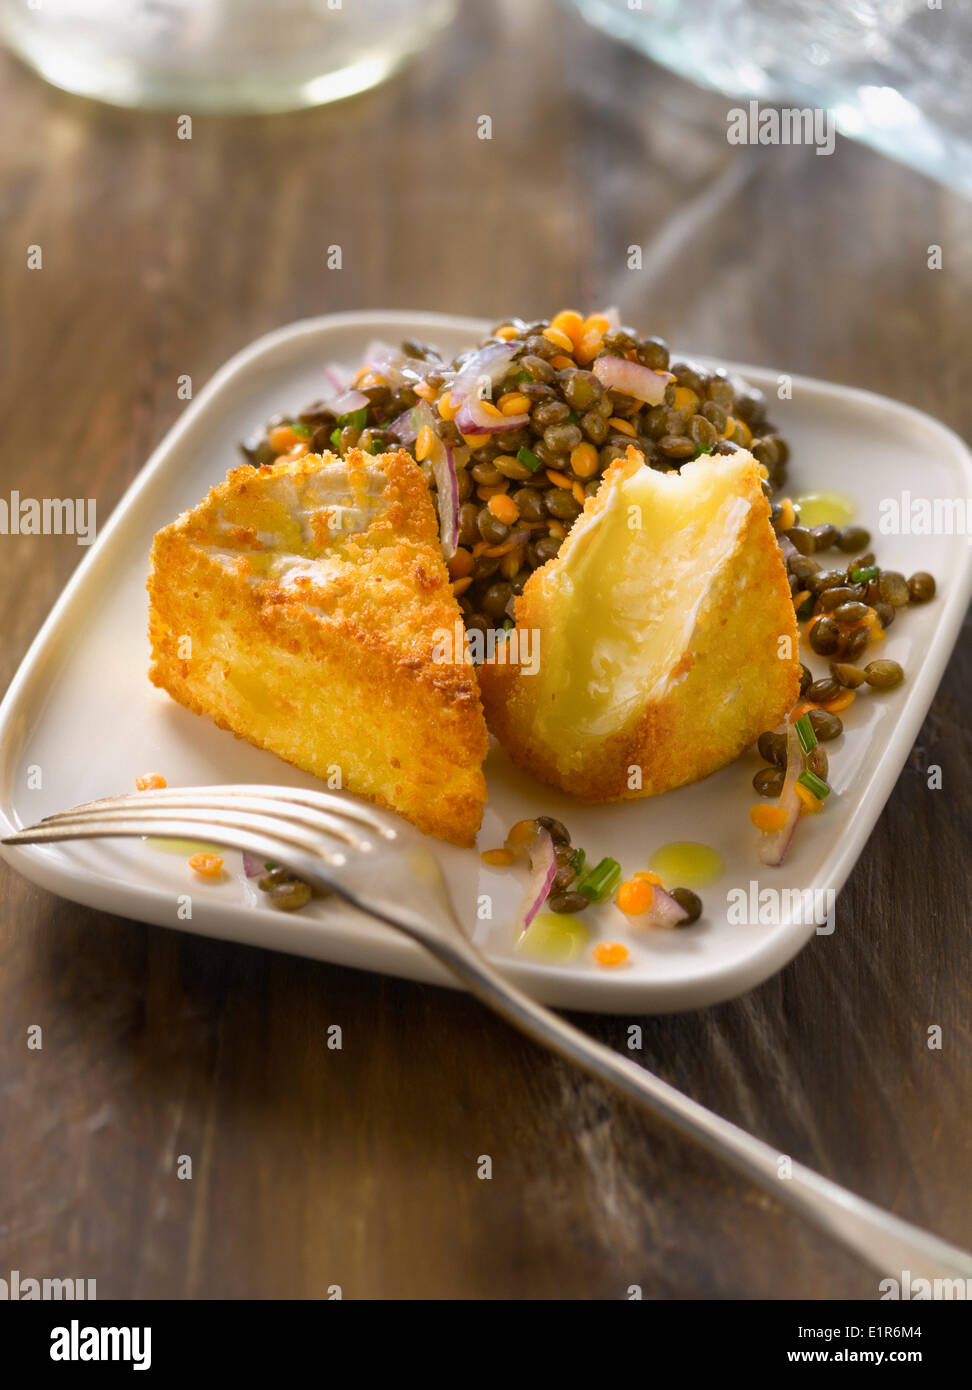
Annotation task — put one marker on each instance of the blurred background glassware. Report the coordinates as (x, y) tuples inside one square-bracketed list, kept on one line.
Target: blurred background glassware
[(896, 73), (219, 55)]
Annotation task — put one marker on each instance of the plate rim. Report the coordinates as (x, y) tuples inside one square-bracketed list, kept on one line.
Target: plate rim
[(604, 992)]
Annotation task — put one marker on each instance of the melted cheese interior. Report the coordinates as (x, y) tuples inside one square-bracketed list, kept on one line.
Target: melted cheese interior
[(629, 591), (302, 524)]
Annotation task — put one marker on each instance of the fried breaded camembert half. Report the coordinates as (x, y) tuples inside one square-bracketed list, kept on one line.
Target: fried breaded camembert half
[(667, 637), (299, 606)]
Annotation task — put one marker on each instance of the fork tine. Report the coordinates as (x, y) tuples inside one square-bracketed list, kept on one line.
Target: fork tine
[(344, 806), (306, 838), (319, 821), (303, 856), (309, 865), (325, 802)]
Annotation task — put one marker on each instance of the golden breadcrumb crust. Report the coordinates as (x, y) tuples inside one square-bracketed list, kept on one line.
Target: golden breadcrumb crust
[(733, 683), (337, 670)]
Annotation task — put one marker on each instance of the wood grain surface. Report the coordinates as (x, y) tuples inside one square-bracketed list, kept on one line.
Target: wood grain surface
[(314, 1168)]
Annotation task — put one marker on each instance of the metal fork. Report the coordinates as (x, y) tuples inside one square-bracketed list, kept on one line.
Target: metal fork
[(365, 858)]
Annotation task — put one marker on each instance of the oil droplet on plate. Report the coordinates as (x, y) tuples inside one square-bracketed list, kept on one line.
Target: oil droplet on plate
[(554, 936), (184, 848), (817, 508), (687, 864)]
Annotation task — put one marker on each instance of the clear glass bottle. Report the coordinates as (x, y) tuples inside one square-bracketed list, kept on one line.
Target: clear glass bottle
[(219, 55)]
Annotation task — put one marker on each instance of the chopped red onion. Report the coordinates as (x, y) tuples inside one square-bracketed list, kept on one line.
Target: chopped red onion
[(407, 425), (618, 374), (447, 496), (543, 866), (473, 419), (391, 363), (252, 866), (406, 429), (403, 428), (382, 357), (773, 847), (336, 376), (348, 402), (489, 363), (665, 911)]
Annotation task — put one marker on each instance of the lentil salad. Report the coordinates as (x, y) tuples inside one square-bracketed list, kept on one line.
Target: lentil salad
[(514, 434), (530, 419)]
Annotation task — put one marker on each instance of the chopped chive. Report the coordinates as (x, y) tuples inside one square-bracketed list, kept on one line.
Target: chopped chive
[(336, 437), (814, 784), (865, 575), (357, 418), (529, 459), (601, 882), (578, 862), (808, 739), (522, 376), (300, 428)]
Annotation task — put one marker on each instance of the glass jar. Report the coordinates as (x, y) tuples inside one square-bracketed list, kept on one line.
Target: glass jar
[(219, 55)]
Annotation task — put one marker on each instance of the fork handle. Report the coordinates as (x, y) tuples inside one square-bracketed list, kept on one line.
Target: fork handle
[(885, 1242)]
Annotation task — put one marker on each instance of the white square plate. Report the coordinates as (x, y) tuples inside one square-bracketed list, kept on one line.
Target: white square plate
[(81, 709)]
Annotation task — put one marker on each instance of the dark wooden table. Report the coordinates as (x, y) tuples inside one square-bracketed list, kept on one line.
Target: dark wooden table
[(358, 1168)]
